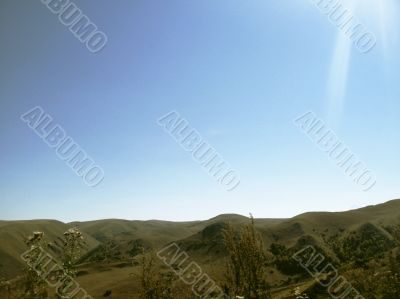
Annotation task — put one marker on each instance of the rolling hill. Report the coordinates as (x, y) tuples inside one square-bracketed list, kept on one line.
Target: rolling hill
[(114, 244), (12, 245)]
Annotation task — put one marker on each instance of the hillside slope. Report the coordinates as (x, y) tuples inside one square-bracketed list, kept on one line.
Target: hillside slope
[(114, 240), (13, 234)]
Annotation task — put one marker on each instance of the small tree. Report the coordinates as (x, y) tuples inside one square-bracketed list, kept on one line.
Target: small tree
[(34, 286), (390, 283), (154, 285), (376, 282), (5, 288), (246, 263)]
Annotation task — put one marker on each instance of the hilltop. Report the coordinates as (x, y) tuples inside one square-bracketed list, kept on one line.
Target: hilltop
[(113, 245)]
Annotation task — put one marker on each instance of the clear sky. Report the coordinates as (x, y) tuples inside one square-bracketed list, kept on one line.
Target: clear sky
[(238, 71)]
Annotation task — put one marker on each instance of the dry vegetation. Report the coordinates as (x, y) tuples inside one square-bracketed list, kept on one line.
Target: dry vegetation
[(248, 258)]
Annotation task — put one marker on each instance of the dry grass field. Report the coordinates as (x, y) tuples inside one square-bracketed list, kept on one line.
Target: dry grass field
[(357, 241)]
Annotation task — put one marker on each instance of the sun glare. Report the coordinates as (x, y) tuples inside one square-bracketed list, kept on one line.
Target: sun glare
[(381, 19)]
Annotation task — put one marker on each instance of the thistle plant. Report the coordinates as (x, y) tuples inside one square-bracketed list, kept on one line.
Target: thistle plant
[(71, 246), (299, 295)]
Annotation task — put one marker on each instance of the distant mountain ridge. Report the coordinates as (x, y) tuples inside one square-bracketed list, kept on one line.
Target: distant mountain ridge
[(202, 239)]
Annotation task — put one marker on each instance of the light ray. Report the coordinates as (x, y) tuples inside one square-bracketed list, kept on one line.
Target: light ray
[(337, 80), (388, 24), (338, 75), (381, 16)]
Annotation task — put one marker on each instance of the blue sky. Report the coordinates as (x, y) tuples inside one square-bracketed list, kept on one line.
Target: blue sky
[(238, 71)]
